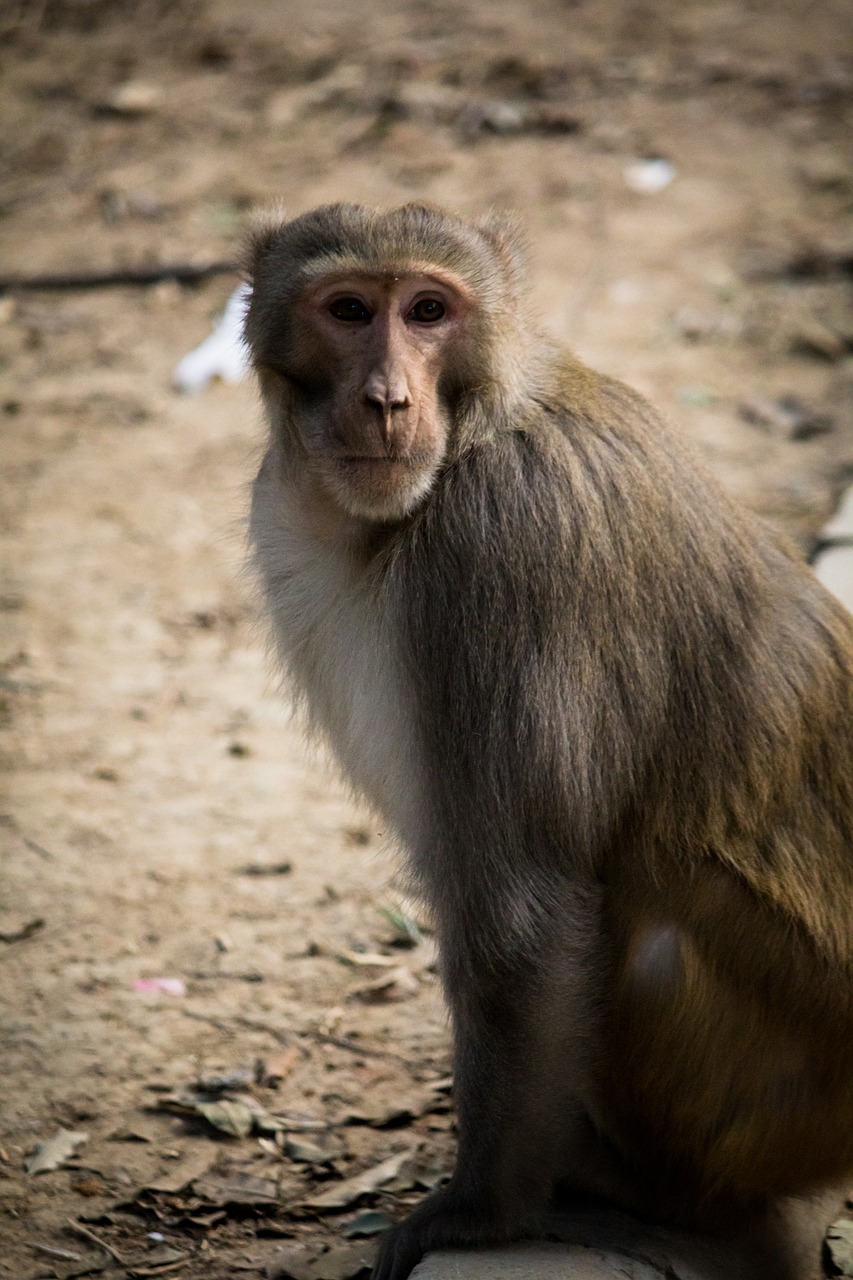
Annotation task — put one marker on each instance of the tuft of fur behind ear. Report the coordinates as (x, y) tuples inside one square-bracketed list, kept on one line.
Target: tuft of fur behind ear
[(263, 230), (506, 235)]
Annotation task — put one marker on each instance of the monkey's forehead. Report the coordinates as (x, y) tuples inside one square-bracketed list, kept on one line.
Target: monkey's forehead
[(351, 238), (333, 267)]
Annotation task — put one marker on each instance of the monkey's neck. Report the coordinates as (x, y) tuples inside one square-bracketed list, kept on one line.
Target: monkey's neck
[(323, 521)]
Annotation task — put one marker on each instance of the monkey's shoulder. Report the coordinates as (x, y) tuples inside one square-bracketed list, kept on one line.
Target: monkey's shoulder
[(605, 421)]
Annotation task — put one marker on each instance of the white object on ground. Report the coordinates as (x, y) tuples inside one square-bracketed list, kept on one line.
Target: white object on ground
[(834, 568), (841, 524), (834, 564), (649, 176), (168, 986), (224, 354)]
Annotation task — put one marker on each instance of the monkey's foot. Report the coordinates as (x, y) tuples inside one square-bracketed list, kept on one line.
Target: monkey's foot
[(443, 1220)]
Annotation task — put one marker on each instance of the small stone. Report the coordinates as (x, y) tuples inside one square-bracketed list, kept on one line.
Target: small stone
[(649, 176), (493, 116), (134, 98)]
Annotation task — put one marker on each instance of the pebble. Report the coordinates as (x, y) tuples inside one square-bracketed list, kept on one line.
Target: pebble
[(134, 98), (648, 177)]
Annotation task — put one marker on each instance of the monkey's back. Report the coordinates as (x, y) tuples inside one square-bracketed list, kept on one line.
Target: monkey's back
[(637, 684)]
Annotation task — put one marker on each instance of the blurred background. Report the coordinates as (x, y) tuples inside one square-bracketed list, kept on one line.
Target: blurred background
[(192, 912)]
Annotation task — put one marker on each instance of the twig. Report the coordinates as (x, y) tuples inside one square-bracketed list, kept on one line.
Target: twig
[(102, 1244), (26, 931), (64, 1255), (286, 1038), (211, 1022), (178, 1265), (183, 272), (37, 848)]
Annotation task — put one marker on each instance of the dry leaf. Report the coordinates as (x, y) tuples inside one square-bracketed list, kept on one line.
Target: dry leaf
[(367, 1223), (190, 1166), (343, 1194), (158, 1262), (236, 1188), (289, 1122), (368, 959), (344, 1263), (322, 1150), (231, 1117), (399, 984), (406, 928), (88, 1264), (292, 1262), (839, 1242), (53, 1153)]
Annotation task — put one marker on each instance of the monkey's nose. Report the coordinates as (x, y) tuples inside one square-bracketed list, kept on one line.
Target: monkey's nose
[(387, 394)]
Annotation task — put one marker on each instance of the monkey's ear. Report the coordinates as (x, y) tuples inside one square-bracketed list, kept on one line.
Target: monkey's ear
[(507, 238), (263, 231)]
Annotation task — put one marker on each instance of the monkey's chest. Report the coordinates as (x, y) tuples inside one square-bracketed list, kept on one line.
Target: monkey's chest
[(335, 632)]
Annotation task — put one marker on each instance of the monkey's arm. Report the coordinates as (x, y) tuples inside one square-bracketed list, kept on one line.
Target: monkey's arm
[(523, 1028)]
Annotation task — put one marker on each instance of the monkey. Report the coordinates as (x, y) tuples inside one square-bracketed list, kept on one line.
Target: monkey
[(606, 713)]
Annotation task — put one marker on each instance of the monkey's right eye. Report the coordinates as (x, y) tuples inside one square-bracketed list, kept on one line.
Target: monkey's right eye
[(352, 309)]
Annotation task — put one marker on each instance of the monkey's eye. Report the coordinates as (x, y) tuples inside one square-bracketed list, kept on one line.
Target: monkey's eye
[(427, 311), (352, 309)]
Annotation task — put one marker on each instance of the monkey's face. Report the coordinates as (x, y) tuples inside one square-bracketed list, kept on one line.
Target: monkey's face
[(362, 359)]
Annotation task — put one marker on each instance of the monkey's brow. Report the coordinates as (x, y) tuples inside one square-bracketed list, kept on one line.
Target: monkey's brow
[(326, 273)]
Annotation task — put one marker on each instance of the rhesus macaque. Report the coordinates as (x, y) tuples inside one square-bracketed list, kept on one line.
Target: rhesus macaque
[(608, 715)]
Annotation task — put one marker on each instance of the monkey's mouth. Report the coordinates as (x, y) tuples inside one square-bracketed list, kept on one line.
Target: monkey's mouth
[(365, 465)]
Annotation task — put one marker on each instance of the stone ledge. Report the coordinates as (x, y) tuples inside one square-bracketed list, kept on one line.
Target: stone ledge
[(533, 1262), (604, 1244)]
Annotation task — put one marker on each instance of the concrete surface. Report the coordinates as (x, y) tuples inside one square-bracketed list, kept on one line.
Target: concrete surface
[(533, 1262), (604, 1244), (595, 1245)]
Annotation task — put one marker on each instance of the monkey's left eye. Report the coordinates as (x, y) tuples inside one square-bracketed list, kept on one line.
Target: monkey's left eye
[(352, 309), (427, 311)]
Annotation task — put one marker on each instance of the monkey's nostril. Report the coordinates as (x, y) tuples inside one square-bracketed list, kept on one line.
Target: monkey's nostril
[(387, 404)]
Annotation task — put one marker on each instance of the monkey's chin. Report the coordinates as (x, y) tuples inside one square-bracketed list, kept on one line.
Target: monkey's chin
[(379, 489)]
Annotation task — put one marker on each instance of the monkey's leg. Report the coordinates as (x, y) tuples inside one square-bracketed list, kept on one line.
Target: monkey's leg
[(523, 1034)]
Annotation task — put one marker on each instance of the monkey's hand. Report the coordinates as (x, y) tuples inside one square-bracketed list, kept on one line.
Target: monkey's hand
[(447, 1217)]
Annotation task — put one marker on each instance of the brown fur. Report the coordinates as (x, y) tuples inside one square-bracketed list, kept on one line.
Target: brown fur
[(610, 718)]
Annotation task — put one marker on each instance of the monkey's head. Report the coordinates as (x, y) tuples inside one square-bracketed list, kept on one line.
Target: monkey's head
[(374, 335)]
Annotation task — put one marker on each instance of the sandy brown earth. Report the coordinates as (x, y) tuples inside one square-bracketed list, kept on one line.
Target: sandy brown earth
[(161, 816)]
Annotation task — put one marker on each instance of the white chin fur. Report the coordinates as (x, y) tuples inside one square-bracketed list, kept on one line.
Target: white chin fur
[(358, 500)]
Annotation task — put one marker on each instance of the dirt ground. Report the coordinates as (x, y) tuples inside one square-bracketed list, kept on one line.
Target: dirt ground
[(162, 818)]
